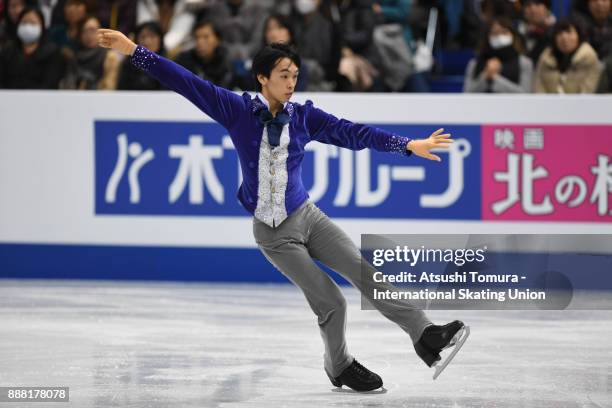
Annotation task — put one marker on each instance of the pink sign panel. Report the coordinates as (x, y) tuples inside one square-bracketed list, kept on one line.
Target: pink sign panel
[(547, 172)]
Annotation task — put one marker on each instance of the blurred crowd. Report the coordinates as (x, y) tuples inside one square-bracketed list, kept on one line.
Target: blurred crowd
[(513, 46)]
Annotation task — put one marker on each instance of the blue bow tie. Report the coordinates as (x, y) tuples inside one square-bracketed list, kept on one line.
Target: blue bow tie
[(273, 124)]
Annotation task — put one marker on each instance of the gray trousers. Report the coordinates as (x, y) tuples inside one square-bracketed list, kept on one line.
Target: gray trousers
[(309, 234)]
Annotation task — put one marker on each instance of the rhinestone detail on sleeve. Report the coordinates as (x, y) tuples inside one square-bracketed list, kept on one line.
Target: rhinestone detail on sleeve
[(398, 144), (144, 58)]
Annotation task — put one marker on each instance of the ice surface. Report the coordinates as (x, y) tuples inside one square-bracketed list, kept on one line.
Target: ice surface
[(143, 344)]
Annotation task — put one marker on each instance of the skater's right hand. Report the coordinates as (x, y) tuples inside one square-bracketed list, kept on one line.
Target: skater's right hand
[(115, 40)]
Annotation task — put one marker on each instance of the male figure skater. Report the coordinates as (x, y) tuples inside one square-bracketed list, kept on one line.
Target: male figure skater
[(269, 134)]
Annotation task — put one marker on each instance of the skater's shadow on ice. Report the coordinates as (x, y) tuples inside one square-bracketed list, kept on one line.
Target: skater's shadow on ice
[(382, 390)]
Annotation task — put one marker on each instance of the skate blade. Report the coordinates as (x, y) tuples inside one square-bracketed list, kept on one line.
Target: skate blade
[(440, 366)]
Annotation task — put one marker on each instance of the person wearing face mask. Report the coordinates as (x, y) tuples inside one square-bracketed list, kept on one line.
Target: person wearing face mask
[(500, 66), (31, 61), (570, 64), (314, 35)]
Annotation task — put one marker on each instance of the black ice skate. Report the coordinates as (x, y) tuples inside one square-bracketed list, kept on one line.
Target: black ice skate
[(437, 338), (357, 377)]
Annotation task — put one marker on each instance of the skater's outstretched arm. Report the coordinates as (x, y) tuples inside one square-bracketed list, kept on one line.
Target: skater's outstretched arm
[(220, 104), (326, 128)]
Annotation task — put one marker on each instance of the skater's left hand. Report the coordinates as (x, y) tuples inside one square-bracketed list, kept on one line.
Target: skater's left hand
[(421, 147)]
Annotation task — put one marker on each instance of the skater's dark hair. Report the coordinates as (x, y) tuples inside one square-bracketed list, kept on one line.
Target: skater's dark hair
[(267, 58)]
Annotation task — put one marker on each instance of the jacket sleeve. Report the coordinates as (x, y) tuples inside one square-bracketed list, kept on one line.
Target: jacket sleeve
[(222, 105), (325, 128)]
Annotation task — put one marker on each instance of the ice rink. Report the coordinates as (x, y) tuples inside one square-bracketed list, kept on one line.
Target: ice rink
[(140, 344)]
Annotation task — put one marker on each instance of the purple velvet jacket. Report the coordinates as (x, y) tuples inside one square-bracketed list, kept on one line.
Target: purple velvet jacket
[(272, 186)]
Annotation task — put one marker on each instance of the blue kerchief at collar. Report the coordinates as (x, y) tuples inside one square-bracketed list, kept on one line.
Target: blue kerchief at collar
[(274, 125)]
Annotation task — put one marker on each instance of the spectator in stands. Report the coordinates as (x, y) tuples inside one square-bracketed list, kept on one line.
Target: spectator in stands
[(579, 8), (209, 58), (314, 36), (605, 80), (66, 34), (57, 12), (49, 9), (92, 67), (148, 35), (508, 9), (449, 22), (500, 65), (536, 27), (8, 26), (175, 19), (403, 61), (596, 22), (239, 22), (312, 76), (418, 18), (31, 61), (470, 25), (395, 11), (359, 61), (277, 29), (476, 16), (570, 65)]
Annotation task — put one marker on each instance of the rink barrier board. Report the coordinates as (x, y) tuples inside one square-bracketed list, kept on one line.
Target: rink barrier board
[(57, 202)]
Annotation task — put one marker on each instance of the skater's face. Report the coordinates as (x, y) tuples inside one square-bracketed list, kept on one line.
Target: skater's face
[(281, 83)]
